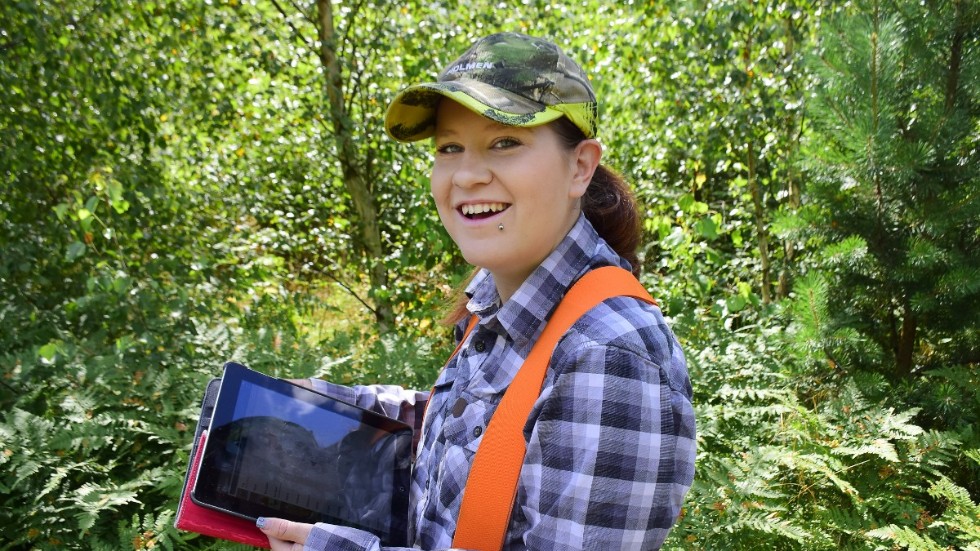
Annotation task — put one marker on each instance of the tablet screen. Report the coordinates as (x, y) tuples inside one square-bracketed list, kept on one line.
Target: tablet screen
[(275, 449)]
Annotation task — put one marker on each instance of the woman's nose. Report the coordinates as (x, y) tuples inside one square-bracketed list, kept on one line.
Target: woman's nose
[(472, 170)]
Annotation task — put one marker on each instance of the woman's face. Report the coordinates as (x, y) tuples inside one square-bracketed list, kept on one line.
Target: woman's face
[(486, 175)]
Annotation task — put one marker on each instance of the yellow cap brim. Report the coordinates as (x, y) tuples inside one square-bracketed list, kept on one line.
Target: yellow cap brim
[(412, 114)]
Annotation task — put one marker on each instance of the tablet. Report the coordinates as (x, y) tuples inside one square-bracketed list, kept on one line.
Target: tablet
[(275, 449)]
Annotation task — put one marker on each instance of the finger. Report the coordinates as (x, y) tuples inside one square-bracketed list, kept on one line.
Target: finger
[(284, 530), (281, 527)]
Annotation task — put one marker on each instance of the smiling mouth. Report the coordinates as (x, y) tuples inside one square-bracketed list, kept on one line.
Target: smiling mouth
[(479, 211)]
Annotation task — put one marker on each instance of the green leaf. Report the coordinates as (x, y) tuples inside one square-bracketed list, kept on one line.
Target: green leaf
[(689, 204), (115, 190), (736, 303), (120, 205), (48, 352), (75, 250), (707, 228), (61, 210)]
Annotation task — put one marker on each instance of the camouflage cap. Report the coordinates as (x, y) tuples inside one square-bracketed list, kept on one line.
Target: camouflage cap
[(511, 78)]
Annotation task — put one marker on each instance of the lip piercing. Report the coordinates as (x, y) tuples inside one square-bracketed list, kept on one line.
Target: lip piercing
[(500, 227)]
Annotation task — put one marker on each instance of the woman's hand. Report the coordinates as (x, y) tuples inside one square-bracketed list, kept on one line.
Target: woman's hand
[(284, 535)]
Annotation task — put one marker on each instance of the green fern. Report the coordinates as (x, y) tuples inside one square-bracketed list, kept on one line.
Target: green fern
[(974, 455), (959, 524), (962, 515), (820, 468), (905, 537), (769, 523)]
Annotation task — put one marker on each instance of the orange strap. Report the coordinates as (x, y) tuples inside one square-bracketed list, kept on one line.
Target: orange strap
[(488, 499)]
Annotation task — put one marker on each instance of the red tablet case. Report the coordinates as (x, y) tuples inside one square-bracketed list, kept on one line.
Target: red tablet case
[(192, 517)]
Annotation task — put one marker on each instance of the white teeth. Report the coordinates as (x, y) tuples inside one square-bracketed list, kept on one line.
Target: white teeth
[(470, 210)]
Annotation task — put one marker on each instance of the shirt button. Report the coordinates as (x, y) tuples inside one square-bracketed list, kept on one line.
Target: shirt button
[(477, 431), (480, 346)]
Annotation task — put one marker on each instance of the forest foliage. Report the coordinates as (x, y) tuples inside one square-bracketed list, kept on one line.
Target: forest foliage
[(184, 183)]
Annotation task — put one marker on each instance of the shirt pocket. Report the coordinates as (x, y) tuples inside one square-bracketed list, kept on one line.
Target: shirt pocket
[(463, 431), (466, 421)]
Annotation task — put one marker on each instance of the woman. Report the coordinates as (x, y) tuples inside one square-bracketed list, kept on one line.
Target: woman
[(518, 185)]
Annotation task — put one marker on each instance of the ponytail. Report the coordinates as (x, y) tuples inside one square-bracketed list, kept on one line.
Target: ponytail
[(608, 203), (611, 208)]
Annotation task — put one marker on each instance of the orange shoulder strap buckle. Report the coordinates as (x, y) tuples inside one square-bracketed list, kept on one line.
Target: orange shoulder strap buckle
[(488, 498)]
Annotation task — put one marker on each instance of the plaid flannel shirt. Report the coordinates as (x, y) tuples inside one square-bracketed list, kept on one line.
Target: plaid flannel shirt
[(610, 440)]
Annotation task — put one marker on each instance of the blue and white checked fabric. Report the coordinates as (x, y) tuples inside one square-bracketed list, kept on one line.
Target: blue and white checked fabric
[(610, 440)]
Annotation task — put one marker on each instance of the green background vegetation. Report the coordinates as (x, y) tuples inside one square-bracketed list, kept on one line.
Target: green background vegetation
[(185, 182)]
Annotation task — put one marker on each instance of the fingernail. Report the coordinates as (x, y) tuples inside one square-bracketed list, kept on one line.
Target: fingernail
[(260, 522)]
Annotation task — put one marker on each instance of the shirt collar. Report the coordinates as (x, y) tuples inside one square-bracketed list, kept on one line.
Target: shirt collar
[(522, 317)]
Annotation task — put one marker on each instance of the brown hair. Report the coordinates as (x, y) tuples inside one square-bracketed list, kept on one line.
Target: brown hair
[(608, 204)]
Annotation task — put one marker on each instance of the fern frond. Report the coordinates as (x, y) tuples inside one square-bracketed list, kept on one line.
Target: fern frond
[(878, 447), (770, 523), (54, 481), (847, 519), (934, 452), (905, 537), (91, 500), (820, 467), (899, 426), (962, 515), (973, 454), (78, 407)]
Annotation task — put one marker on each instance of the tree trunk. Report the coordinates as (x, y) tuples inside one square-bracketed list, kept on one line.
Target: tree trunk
[(784, 283), (955, 57), (759, 214), (904, 357), (758, 211), (355, 176)]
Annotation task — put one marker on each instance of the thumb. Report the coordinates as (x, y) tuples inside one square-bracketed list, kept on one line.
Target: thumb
[(284, 530)]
